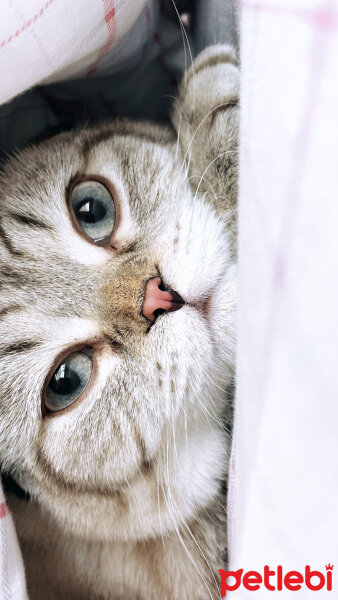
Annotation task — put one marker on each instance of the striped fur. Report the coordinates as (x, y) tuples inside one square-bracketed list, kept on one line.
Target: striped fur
[(126, 485)]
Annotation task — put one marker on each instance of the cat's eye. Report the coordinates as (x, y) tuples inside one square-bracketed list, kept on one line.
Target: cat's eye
[(94, 210), (69, 380)]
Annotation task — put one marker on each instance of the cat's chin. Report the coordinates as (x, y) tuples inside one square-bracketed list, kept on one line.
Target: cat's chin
[(142, 509)]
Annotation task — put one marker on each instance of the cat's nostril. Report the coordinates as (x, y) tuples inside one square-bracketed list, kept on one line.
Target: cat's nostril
[(158, 299), (158, 312)]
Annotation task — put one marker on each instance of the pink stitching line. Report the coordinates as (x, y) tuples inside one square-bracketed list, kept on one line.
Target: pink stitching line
[(27, 25), (110, 20), (3, 510), (321, 17)]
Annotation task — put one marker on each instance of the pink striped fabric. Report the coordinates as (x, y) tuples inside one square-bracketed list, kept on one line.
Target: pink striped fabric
[(26, 25), (57, 39), (110, 20)]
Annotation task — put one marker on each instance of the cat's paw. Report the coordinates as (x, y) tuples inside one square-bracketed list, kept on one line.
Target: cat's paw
[(206, 118), (211, 83)]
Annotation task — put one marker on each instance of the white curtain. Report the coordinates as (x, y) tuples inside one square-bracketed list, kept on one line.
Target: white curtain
[(283, 505)]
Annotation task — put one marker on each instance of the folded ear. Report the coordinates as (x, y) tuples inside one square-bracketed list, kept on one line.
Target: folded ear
[(206, 118)]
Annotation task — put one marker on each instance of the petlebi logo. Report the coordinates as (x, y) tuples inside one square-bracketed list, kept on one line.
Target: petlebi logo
[(276, 579)]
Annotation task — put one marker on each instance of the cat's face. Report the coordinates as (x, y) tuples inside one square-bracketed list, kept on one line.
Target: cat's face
[(145, 383)]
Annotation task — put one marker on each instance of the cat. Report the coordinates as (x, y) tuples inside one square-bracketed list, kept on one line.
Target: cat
[(117, 336)]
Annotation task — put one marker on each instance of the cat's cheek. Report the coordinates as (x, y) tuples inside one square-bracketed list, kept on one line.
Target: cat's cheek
[(185, 477), (185, 355), (221, 316)]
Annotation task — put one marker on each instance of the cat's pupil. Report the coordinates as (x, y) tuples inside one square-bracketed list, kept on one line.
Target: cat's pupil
[(94, 210), (90, 210), (69, 380), (65, 380)]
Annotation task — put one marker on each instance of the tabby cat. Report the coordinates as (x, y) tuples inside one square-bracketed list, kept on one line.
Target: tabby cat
[(117, 269)]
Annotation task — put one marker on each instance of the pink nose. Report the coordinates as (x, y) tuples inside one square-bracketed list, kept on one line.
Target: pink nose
[(158, 300)]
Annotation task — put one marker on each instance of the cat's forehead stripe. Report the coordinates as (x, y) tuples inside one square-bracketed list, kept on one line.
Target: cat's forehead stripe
[(9, 309), (15, 277), (7, 242), (29, 221), (103, 136), (19, 347)]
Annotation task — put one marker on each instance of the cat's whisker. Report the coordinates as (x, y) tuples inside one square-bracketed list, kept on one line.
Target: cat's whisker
[(216, 420), (209, 412), (212, 382), (183, 520), (222, 506), (213, 519), (186, 163), (170, 96), (210, 164), (200, 125), (185, 426), (191, 177), (158, 477), (178, 137), (186, 41), (172, 506)]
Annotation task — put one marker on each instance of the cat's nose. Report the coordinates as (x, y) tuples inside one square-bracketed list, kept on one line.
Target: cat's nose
[(158, 299)]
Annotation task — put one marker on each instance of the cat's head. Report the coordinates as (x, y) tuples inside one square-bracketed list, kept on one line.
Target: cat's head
[(97, 389)]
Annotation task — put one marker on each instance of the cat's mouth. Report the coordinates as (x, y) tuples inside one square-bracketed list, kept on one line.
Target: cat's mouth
[(206, 307), (202, 306)]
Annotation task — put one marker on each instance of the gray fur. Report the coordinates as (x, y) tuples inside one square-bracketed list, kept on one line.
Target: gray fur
[(126, 484)]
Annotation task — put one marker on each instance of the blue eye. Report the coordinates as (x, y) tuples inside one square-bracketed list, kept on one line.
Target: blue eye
[(69, 380), (94, 209)]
